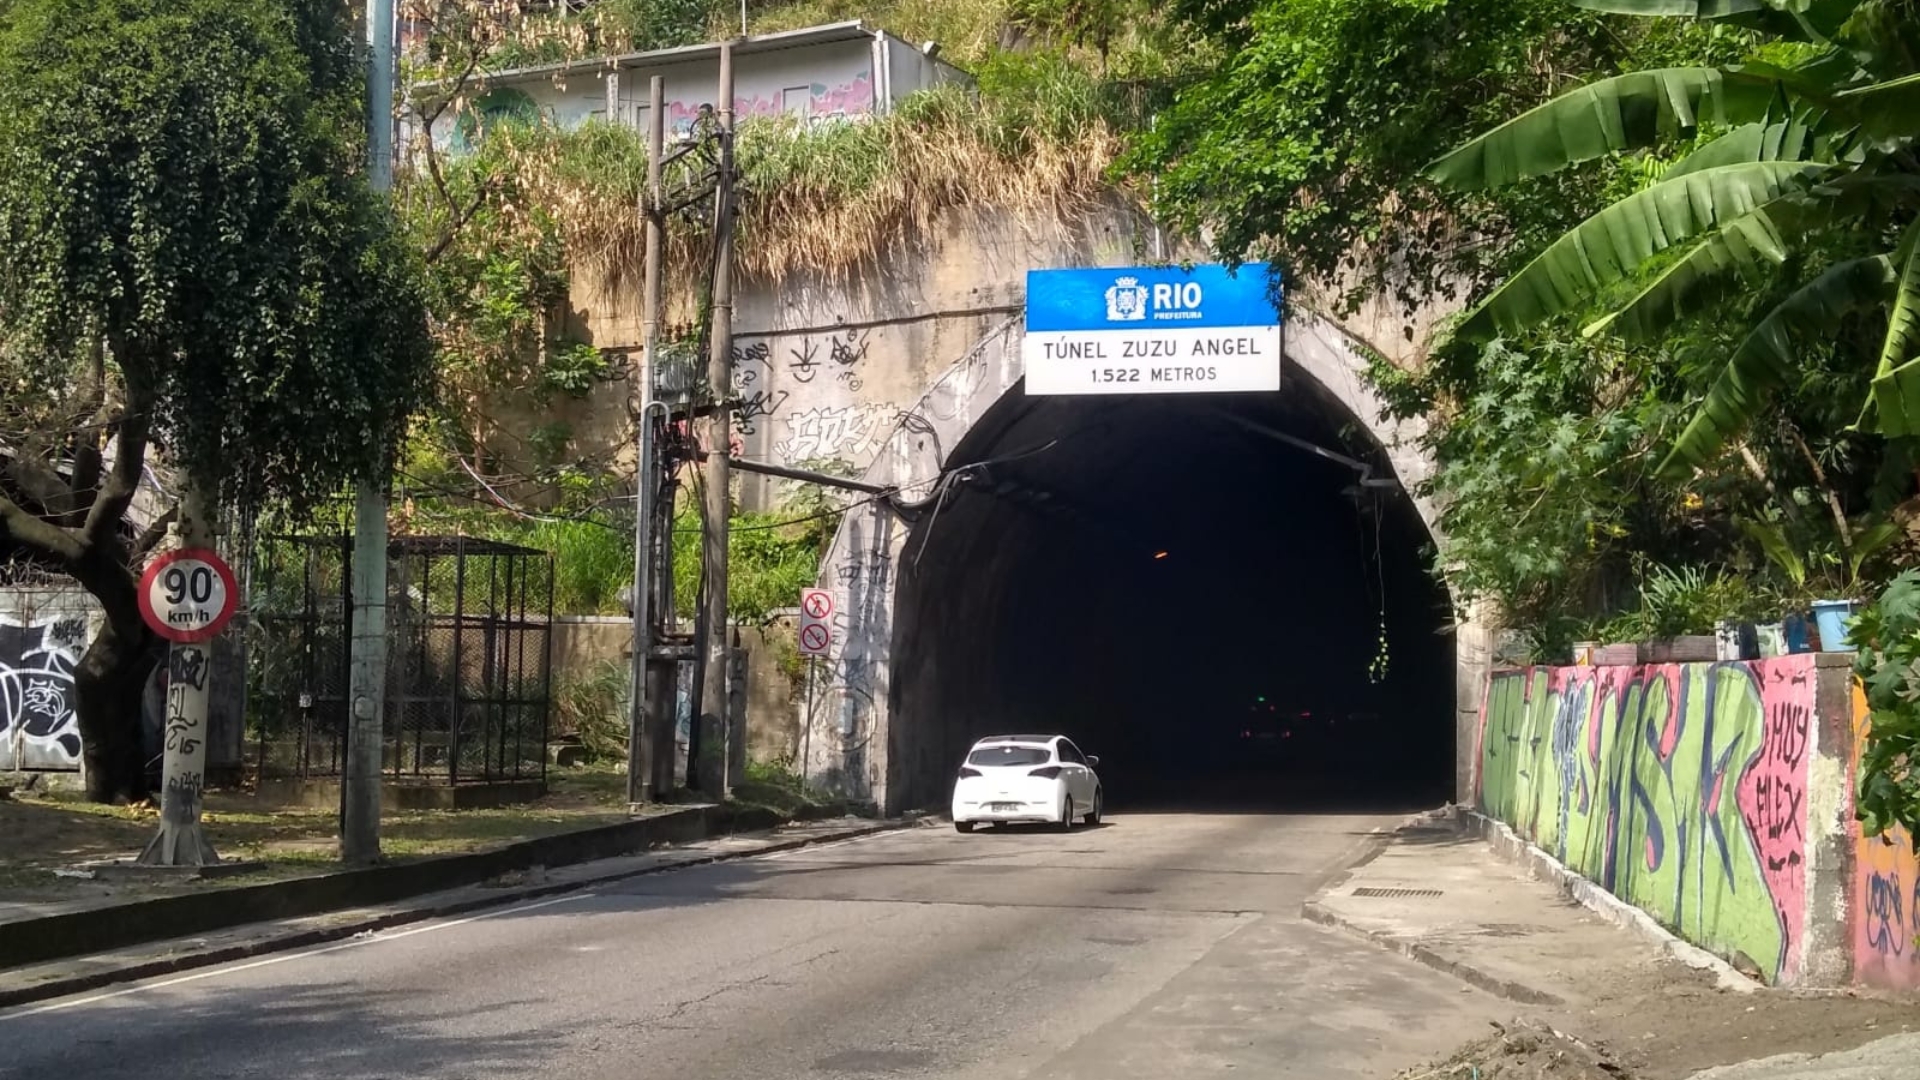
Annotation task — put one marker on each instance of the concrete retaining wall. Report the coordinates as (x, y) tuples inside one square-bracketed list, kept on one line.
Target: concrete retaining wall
[(1717, 798), (44, 631), (583, 645)]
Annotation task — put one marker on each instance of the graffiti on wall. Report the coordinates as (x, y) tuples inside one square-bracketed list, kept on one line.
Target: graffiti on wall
[(1680, 788), (848, 432), (769, 371), (1885, 911), (822, 104), (38, 726)]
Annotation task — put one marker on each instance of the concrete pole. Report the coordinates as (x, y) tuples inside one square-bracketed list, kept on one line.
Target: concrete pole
[(663, 691), (712, 765), (640, 786), (367, 677), (736, 717), (181, 841)]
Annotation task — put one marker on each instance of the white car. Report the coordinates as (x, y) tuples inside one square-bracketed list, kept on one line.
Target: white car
[(1026, 778)]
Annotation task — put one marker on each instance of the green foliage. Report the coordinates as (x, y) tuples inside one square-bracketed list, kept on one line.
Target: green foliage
[(640, 25), (499, 288), (1302, 145), (591, 706), (592, 561), (1542, 490), (177, 179), (1887, 633), (768, 563), (1830, 135)]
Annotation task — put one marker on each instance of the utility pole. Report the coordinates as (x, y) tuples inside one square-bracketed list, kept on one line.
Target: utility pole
[(711, 768), (181, 841), (640, 751), (367, 681)]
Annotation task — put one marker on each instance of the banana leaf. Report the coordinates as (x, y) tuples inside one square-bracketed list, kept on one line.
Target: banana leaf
[(1625, 112), (1774, 543), (1796, 139), (1885, 110), (1896, 384), (1614, 243), (1709, 271), (1767, 357), (1811, 20)]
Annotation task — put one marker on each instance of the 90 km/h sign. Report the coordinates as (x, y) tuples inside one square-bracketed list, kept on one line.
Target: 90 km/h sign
[(188, 596)]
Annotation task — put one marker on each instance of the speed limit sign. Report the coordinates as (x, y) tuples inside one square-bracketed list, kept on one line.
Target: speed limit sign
[(188, 595)]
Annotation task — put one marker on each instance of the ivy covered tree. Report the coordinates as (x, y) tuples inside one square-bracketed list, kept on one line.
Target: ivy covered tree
[(189, 263)]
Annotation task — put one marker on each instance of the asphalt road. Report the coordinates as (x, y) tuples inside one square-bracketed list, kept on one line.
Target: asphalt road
[(1154, 946)]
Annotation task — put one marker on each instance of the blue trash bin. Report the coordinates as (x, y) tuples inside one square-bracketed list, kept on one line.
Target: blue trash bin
[(1835, 619)]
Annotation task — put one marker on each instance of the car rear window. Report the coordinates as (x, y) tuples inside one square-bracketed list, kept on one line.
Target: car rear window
[(1010, 755)]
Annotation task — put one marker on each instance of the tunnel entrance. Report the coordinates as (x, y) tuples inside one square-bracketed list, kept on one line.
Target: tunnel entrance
[(1188, 596)]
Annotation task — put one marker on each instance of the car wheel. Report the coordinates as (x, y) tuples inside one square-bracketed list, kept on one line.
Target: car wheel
[(963, 826), (1066, 816), (1093, 815)]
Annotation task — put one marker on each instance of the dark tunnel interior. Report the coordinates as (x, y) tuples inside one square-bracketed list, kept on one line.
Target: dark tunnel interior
[(1195, 601)]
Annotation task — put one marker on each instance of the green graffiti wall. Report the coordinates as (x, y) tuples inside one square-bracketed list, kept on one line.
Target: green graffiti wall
[(1680, 788)]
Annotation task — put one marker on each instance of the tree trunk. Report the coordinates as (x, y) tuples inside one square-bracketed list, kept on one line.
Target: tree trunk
[(110, 682), (108, 685)]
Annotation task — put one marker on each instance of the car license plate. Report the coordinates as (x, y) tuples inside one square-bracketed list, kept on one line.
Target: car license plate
[(1005, 806)]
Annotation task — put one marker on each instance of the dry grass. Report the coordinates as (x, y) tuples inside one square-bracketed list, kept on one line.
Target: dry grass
[(833, 200), (48, 833)]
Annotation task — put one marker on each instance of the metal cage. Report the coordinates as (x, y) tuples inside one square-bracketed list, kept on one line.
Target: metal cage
[(469, 661)]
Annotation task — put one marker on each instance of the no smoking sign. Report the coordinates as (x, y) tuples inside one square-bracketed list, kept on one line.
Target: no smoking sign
[(188, 596), (816, 625)]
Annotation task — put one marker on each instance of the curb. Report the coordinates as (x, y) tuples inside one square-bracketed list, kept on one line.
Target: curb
[(1313, 912), (1541, 865), (168, 965), (1374, 846)]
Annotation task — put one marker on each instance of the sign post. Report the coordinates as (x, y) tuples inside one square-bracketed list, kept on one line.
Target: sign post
[(187, 597), (1153, 330), (816, 640), (816, 622)]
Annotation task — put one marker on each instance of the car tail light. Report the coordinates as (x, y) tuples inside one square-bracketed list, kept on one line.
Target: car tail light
[(1047, 773), (966, 772)]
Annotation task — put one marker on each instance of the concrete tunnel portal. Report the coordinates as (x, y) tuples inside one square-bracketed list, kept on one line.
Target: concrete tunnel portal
[(1195, 601)]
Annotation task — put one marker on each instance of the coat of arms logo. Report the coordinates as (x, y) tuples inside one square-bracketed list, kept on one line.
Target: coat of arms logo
[(1126, 300)]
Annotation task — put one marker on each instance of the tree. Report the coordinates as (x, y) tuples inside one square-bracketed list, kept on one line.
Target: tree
[(1806, 165), (1303, 144), (188, 260)]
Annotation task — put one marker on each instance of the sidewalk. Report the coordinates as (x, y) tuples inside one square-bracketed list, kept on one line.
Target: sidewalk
[(1594, 998), (72, 975)]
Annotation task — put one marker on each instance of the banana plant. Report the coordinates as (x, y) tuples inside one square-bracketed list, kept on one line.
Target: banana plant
[(1822, 144)]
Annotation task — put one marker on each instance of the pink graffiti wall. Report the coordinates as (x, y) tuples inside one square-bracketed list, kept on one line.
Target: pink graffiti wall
[(1680, 788), (824, 102), (1884, 910)]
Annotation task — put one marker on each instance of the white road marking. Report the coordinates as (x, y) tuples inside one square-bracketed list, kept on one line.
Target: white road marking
[(353, 942), (825, 844)]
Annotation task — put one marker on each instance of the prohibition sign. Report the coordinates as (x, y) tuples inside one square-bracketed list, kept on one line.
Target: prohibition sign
[(818, 603), (814, 637), (188, 596)]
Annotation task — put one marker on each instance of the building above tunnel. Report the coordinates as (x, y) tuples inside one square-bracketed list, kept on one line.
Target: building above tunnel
[(820, 74)]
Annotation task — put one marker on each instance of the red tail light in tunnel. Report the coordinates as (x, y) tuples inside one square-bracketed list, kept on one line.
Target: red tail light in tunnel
[(1047, 773), (966, 772)]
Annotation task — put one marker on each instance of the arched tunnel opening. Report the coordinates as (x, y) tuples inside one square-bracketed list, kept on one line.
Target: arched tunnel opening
[(1189, 591)]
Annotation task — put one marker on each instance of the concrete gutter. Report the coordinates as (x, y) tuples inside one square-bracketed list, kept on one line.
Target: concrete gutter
[(315, 910)]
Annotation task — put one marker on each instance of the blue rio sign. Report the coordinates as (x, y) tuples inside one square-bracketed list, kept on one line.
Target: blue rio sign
[(1153, 330)]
